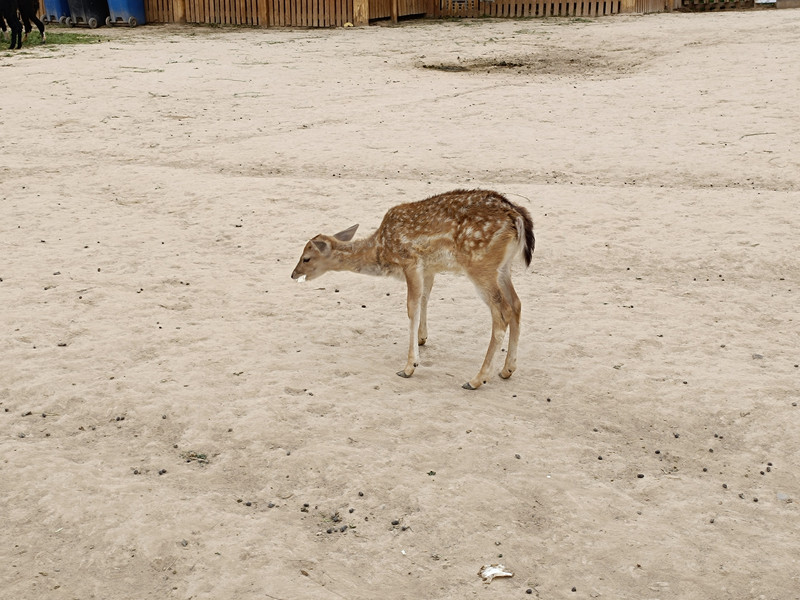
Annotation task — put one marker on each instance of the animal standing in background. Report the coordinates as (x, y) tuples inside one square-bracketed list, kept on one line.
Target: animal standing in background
[(477, 232), (8, 13), (27, 14)]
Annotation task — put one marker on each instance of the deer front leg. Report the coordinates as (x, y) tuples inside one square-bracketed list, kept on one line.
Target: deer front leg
[(414, 281), (422, 337)]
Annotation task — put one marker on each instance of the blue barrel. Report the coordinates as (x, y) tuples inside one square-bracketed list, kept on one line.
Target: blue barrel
[(55, 11), (126, 12)]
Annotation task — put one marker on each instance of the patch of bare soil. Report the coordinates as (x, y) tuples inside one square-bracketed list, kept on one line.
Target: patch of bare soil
[(558, 61)]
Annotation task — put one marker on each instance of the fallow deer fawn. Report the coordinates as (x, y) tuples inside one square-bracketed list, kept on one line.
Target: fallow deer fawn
[(475, 232)]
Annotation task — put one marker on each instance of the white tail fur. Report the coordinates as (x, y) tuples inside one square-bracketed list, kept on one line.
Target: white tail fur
[(478, 233)]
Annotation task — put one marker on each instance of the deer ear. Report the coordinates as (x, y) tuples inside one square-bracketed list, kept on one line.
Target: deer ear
[(323, 246), (347, 234)]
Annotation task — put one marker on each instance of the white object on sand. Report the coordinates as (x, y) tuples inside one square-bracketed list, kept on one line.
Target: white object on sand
[(489, 572)]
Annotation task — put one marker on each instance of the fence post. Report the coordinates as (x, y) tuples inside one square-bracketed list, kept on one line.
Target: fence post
[(360, 12), (263, 14), (179, 11)]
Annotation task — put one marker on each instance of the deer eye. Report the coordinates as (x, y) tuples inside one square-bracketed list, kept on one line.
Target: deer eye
[(306, 259)]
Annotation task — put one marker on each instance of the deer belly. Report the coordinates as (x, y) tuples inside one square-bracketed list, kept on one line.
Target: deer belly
[(441, 260)]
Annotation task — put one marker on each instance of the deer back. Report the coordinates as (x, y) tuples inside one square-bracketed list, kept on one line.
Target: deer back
[(454, 231)]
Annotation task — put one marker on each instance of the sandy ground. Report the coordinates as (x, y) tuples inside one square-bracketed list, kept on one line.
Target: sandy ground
[(179, 419)]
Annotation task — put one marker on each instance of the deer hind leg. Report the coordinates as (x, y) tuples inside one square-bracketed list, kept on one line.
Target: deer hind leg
[(427, 284), (514, 302), (415, 283), (501, 315)]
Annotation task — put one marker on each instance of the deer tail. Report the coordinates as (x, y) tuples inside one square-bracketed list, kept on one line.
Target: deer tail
[(525, 236)]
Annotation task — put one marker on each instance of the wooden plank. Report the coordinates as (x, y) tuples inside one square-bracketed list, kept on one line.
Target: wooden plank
[(360, 12)]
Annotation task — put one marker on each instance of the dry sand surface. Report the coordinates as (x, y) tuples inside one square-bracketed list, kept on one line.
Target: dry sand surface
[(179, 419)]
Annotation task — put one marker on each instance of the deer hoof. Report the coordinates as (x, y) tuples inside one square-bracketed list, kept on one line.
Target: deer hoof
[(422, 341), (506, 373), (469, 386), (404, 374)]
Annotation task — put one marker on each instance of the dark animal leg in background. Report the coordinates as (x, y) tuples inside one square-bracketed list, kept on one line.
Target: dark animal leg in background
[(27, 10), (8, 11)]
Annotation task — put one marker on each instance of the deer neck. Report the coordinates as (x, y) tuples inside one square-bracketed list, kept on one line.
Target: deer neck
[(360, 256)]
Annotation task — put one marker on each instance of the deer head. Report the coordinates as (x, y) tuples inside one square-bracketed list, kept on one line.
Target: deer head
[(319, 255)]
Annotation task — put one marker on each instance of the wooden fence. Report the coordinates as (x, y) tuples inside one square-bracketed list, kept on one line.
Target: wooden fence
[(548, 8), (335, 13), (530, 8), (383, 9), (706, 5), (257, 13)]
